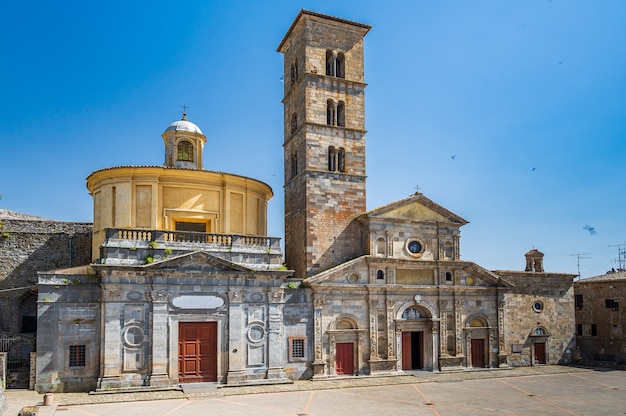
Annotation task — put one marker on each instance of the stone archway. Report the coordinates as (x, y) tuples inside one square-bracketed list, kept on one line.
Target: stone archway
[(417, 337)]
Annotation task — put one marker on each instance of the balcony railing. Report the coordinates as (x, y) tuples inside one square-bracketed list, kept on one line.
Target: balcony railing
[(165, 236)]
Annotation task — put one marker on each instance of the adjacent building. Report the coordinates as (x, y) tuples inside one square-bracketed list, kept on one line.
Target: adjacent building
[(600, 328)]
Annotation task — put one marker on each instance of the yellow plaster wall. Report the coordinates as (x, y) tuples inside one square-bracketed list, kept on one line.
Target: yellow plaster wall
[(157, 197)]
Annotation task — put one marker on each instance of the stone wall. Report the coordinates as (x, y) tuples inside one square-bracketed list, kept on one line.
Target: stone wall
[(539, 302), (298, 321), (29, 246)]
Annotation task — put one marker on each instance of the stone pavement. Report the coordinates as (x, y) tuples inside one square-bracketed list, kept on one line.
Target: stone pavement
[(19, 398)]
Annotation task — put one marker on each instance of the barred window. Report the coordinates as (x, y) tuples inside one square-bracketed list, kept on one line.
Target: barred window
[(77, 356), (297, 349)]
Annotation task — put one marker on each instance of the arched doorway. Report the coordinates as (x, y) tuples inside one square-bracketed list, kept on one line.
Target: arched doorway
[(415, 325), (477, 331), (344, 346)]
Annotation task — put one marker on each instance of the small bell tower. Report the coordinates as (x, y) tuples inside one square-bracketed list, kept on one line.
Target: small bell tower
[(184, 142), (534, 261)]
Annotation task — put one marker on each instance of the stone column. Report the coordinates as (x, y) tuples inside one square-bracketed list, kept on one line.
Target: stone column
[(443, 334), (435, 331), (275, 337), (502, 354), (373, 330), (159, 338), (111, 342), (318, 364), (458, 305), (236, 339), (392, 351)]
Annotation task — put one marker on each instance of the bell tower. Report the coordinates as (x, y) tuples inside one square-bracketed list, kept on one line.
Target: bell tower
[(324, 144)]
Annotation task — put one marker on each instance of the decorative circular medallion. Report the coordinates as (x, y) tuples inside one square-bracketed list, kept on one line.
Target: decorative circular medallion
[(469, 280), (133, 336), (353, 278), (256, 333), (414, 247)]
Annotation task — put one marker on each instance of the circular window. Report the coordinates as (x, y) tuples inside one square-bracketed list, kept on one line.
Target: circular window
[(414, 247), (537, 306)]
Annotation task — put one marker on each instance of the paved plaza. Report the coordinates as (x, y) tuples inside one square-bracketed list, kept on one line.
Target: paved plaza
[(549, 390)]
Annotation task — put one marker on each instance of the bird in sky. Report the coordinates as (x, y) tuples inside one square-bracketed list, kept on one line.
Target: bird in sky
[(592, 231), (533, 169), (453, 157)]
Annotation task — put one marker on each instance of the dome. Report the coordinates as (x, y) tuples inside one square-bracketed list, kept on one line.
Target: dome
[(184, 125)]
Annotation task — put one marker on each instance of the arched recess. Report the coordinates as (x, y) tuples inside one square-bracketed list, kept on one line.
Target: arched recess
[(381, 247), (539, 338), (346, 355), (418, 337), (478, 341)]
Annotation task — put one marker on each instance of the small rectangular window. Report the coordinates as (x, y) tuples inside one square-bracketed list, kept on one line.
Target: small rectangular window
[(594, 330), (578, 301), (579, 330), (611, 304), (297, 349), (77, 356)]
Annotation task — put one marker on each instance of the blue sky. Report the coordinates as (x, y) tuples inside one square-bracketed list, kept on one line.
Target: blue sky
[(528, 96)]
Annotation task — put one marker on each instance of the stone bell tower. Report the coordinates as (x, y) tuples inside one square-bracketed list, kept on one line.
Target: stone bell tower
[(324, 145)]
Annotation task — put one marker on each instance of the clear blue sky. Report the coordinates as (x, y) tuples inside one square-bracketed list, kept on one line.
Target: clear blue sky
[(529, 96)]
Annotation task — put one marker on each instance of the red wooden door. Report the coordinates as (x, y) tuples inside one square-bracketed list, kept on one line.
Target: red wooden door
[(412, 350), (407, 363), (197, 352), (540, 352), (478, 353), (344, 358)]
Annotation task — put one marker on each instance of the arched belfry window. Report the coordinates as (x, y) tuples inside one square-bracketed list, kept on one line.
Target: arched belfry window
[(332, 159), (341, 114), (340, 71), (294, 71), (330, 63), (331, 115), (341, 160), (185, 151), (294, 164), (294, 122)]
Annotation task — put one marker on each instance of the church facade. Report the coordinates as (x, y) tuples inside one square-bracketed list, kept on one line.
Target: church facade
[(185, 286)]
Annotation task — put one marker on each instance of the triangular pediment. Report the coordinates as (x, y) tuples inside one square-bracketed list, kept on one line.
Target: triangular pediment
[(416, 208), (197, 261)]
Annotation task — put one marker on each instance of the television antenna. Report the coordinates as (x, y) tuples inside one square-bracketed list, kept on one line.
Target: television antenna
[(621, 254), (580, 256)]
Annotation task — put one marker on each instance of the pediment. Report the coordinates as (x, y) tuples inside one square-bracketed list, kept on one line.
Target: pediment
[(416, 208), (197, 261)]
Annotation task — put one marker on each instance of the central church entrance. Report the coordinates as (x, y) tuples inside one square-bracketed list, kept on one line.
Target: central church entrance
[(197, 352), (412, 350)]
